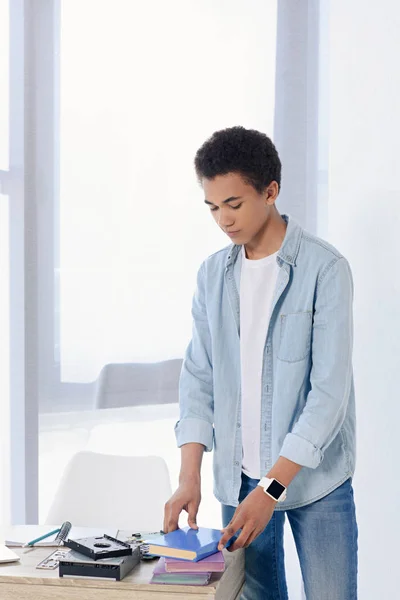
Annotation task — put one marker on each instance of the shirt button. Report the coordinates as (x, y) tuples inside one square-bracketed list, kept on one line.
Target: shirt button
[(236, 463), (238, 425)]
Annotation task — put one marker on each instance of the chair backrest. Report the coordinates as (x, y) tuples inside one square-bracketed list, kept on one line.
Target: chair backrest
[(102, 490), (133, 384)]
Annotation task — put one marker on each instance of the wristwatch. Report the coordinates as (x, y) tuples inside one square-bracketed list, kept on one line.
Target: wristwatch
[(273, 488)]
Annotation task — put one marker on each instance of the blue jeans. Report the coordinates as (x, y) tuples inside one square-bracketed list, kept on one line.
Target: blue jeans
[(325, 533)]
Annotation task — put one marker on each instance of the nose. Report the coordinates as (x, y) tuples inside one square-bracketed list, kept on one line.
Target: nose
[(224, 219)]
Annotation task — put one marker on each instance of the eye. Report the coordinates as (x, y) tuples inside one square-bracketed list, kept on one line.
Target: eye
[(236, 207), (214, 209)]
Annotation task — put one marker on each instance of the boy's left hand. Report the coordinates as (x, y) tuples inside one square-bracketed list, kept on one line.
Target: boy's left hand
[(251, 516)]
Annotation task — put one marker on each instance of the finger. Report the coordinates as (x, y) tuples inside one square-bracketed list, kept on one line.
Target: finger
[(230, 531), (241, 541), (224, 529), (192, 518), (166, 510), (192, 524), (251, 539), (171, 519), (172, 525)]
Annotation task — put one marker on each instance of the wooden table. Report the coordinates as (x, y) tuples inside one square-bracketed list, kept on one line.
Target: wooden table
[(22, 581)]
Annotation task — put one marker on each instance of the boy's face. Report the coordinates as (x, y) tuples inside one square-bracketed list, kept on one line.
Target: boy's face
[(238, 209)]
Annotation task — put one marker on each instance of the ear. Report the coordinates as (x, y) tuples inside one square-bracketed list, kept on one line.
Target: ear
[(271, 193)]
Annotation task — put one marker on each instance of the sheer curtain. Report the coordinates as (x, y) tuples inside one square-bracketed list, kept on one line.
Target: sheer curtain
[(301, 137), (142, 85)]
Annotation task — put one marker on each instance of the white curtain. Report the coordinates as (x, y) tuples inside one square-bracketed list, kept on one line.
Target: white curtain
[(299, 110), (142, 86), (300, 116)]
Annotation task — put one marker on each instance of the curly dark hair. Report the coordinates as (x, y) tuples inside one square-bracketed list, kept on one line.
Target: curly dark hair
[(239, 150)]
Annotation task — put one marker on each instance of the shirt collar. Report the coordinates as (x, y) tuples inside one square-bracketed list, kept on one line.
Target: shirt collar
[(290, 246)]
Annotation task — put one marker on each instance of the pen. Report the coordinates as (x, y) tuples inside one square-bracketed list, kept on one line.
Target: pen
[(42, 537)]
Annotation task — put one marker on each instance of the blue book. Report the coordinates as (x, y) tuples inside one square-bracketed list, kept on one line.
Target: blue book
[(186, 544)]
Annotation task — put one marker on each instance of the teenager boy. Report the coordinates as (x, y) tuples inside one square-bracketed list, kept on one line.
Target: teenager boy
[(267, 381)]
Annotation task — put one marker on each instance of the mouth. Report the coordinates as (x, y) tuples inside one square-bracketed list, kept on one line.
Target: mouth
[(232, 233)]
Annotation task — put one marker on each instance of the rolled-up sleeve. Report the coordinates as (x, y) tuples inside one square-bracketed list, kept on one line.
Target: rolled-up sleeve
[(196, 382), (331, 371)]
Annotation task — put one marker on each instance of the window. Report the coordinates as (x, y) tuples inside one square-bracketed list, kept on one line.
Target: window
[(135, 104), (139, 87)]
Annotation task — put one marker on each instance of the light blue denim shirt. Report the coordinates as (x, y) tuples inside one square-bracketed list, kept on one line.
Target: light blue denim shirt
[(307, 407)]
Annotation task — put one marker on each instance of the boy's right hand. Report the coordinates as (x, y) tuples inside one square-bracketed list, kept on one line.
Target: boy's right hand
[(187, 497)]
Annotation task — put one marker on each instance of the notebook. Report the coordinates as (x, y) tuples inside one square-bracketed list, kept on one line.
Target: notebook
[(186, 544), (215, 563), (161, 576), (7, 555)]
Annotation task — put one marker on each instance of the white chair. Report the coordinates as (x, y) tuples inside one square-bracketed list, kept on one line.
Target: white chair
[(133, 384), (156, 436), (103, 490)]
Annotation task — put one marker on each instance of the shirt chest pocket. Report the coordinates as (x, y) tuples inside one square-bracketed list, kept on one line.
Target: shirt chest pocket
[(295, 336)]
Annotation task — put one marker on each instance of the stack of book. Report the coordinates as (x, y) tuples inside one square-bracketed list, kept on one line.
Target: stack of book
[(183, 572), (187, 556)]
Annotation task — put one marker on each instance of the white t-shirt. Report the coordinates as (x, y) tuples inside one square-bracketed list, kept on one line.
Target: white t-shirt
[(257, 286)]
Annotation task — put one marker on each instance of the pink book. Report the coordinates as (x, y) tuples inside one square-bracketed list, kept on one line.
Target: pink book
[(161, 576), (214, 563)]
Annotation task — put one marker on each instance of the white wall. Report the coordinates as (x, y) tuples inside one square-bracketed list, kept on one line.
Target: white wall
[(364, 222), (4, 304), (4, 363)]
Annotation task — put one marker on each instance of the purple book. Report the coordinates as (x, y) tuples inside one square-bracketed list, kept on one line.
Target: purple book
[(215, 563), (160, 575)]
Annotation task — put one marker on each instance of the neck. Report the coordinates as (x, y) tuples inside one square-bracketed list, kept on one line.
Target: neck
[(269, 239)]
